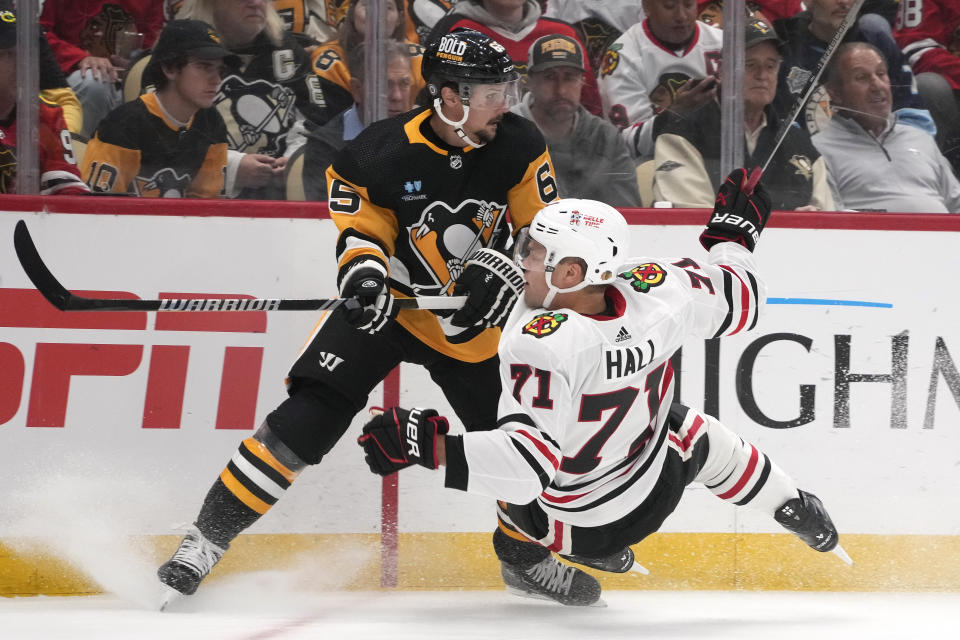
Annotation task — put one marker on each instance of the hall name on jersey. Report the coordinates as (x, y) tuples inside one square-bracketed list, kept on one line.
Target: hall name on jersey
[(626, 361), (219, 304)]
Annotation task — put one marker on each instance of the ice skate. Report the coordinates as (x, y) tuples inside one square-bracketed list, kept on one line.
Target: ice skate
[(806, 518), (620, 562), (188, 566), (550, 579)]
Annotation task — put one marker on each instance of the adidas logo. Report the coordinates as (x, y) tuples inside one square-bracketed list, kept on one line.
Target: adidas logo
[(623, 335)]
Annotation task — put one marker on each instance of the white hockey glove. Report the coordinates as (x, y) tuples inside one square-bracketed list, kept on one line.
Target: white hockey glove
[(366, 280), (492, 282)]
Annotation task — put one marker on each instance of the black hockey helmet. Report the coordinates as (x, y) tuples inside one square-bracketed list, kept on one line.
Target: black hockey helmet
[(465, 56)]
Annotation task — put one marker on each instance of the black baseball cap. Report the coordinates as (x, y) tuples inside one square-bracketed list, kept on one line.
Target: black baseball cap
[(193, 38), (555, 50), (8, 27), (758, 31)]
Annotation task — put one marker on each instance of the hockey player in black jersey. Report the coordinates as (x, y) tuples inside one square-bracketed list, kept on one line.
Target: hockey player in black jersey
[(420, 201), (592, 456)]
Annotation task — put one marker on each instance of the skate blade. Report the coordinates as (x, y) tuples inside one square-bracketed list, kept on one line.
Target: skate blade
[(169, 596), (530, 595), (639, 568), (840, 553)]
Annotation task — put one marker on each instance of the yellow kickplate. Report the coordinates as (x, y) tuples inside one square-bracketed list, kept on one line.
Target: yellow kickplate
[(676, 561)]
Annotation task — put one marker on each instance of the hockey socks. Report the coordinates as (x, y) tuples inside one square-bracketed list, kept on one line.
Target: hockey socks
[(738, 472), (252, 482)]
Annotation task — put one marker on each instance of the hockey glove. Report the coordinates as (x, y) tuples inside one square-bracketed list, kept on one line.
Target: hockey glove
[(492, 283), (399, 438), (737, 217), (366, 280)]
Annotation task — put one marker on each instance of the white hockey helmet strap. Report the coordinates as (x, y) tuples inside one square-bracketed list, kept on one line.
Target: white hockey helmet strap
[(589, 230), (457, 125)]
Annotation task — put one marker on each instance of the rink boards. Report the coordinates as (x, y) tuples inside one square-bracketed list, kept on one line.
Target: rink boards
[(119, 422)]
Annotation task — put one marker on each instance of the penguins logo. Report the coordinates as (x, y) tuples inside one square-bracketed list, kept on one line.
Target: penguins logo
[(258, 114), (803, 165), (163, 184), (444, 238)]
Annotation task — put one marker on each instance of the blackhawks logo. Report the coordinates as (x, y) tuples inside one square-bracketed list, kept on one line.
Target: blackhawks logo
[(544, 324), (610, 59), (645, 276)]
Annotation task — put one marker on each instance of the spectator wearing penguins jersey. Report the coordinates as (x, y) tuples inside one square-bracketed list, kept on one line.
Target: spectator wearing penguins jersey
[(172, 142), (324, 143), (687, 151), (265, 98), (877, 162)]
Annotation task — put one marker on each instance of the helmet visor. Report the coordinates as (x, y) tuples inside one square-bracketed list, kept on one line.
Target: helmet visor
[(495, 96), (528, 254)]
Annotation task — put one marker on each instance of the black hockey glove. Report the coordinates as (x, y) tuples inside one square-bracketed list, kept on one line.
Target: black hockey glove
[(366, 280), (737, 217), (492, 283), (399, 438)]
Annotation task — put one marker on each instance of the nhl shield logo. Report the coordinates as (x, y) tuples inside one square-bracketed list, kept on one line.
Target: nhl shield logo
[(645, 276), (544, 324), (456, 161)]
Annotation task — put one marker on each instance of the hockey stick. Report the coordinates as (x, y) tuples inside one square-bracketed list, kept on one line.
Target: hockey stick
[(801, 101), (58, 295)]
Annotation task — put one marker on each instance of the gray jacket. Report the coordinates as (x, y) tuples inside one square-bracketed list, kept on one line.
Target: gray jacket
[(902, 170), (593, 162)]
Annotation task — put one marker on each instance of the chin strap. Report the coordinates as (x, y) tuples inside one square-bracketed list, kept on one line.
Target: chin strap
[(552, 291), (457, 126)]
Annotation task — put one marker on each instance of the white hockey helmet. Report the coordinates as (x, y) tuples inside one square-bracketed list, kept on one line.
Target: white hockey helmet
[(592, 231)]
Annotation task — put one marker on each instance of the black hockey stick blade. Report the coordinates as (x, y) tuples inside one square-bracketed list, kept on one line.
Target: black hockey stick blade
[(58, 295)]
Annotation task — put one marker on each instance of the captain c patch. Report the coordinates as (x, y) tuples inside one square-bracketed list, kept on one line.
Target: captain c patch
[(645, 276), (544, 324)]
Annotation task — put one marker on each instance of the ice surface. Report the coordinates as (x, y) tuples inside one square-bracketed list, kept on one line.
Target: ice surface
[(240, 609)]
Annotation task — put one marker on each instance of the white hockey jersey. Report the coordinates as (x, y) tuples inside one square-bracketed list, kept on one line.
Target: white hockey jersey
[(582, 417), (639, 77)]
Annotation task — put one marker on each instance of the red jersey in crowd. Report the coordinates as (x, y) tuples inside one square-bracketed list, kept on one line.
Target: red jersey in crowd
[(928, 31), (80, 28), (58, 166)]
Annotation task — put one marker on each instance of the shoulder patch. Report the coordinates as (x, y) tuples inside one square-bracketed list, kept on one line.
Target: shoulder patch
[(544, 324), (645, 276), (610, 59)]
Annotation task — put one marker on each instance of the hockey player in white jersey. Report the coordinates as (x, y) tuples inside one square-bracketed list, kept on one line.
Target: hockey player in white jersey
[(591, 455), (667, 61)]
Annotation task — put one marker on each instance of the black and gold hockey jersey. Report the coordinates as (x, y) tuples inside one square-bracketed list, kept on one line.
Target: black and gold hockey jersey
[(138, 149), (400, 194), (269, 95), (330, 65)]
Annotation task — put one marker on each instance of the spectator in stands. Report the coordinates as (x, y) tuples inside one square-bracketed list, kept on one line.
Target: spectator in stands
[(515, 24), (266, 98), (56, 163), (687, 157), (806, 36), (668, 61), (84, 37), (308, 20), (324, 143), (589, 156), (598, 22), (425, 14), (878, 163), (929, 33), (711, 11), (329, 60), (172, 142)]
